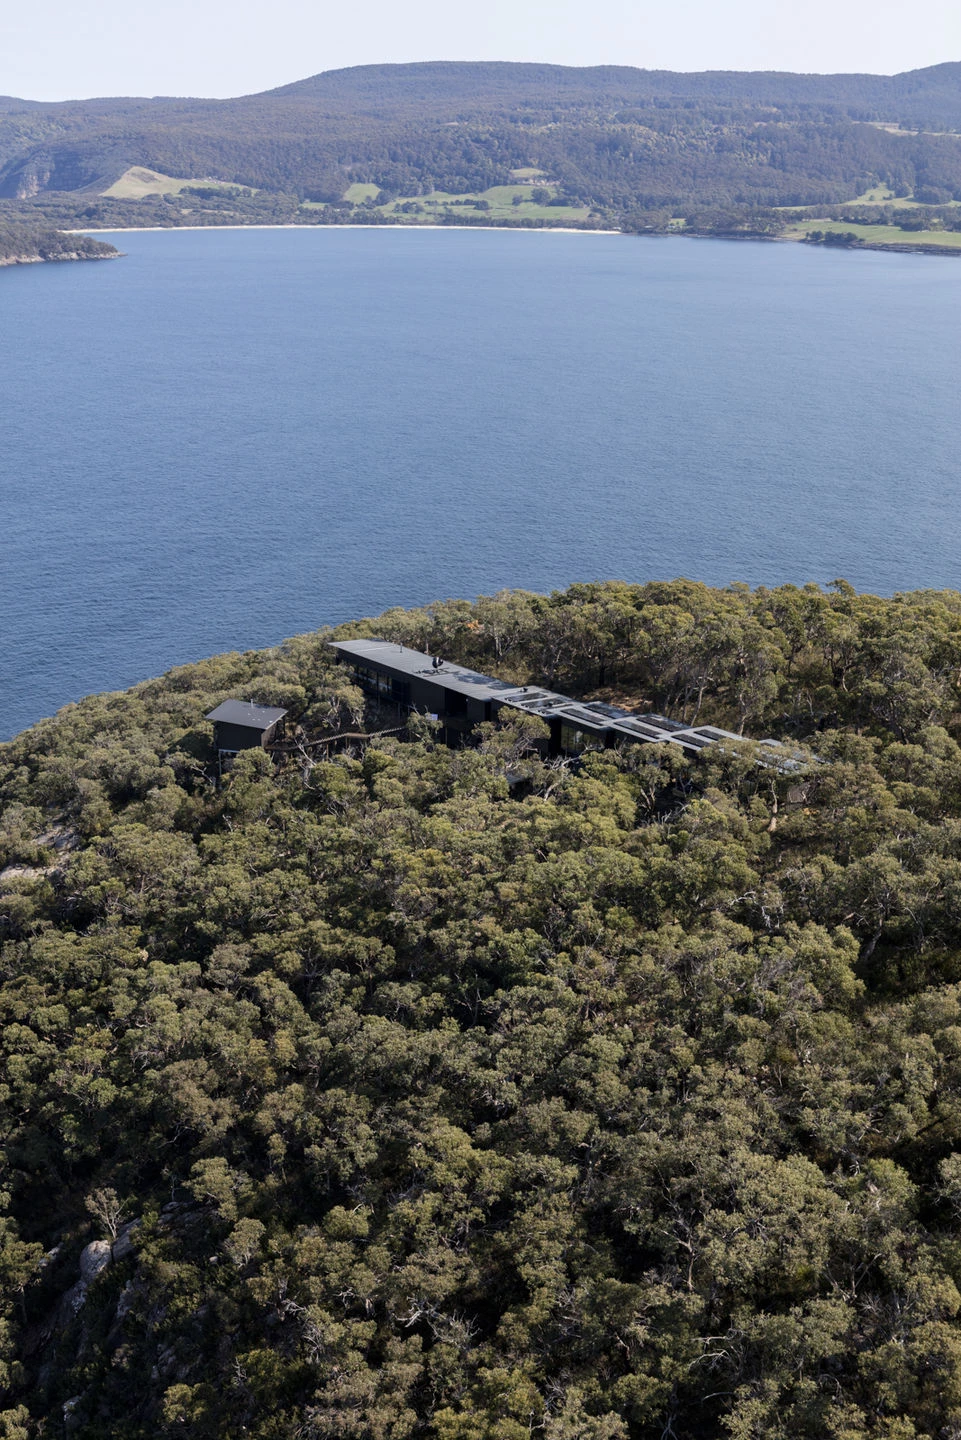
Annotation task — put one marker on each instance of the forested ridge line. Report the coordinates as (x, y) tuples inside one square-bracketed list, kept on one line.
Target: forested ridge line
[(608, 142), (370, 1096)]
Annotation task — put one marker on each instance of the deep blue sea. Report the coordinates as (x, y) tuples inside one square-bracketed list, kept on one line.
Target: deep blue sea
[(230, 437)]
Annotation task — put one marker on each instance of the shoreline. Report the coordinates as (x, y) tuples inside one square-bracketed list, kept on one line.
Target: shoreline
[(68, 258), (509, 229), (889, 248)]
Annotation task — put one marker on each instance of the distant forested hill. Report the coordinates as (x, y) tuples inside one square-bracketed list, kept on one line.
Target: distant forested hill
[(395, 1092), (613, 139)]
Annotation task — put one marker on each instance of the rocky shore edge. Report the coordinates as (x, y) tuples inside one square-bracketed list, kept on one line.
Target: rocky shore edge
[(21, 246)]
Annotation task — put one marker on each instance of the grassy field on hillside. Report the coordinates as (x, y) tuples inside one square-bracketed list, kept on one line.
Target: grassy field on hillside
[(500, 202), (358, 193), (138, 182), (878, 234), (882, 195), (878, 195)]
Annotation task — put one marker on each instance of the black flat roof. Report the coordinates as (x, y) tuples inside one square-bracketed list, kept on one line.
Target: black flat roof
[(451, 676), (547, 704), (244, 712)]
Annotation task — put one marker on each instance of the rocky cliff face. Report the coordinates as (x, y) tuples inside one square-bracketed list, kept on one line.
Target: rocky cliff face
[(65, 168), (87, 1309)]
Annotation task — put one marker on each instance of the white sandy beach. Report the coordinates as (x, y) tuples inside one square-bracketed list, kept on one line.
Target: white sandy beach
[(511, 229)]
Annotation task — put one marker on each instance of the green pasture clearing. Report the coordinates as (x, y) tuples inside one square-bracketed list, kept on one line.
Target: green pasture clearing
[(877, 234), (892, 127), (878, 195), (499, 199), (139, 182), (358, 193), (441, 204), (528, 172), (882, 195)]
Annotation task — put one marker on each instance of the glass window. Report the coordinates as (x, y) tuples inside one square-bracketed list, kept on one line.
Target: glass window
[(575, 741), (365, 677)]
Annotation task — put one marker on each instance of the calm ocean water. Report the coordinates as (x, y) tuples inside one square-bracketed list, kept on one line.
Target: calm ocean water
[(227, 438)]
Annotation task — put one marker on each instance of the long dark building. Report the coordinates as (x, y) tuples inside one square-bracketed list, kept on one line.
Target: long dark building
[(461, 698)]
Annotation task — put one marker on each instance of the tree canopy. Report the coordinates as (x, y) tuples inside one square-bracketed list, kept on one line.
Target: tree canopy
[(400, 1091), (23, 243)]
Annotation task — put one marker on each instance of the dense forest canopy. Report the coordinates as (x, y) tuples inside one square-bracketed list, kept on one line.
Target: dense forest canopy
[(396, 1091), (23, 243), (612, 138)]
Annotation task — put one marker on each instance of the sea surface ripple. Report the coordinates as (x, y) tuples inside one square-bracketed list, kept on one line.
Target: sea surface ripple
[(225, 438)]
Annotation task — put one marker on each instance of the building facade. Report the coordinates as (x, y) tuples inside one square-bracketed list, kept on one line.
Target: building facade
[(241, 725)]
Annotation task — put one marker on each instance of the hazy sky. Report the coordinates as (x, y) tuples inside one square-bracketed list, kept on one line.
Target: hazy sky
[(61, 49)]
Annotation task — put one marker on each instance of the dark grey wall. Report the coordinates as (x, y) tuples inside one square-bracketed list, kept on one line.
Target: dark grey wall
[(241, 737)]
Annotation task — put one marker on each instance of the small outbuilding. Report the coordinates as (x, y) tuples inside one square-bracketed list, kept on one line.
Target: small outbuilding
[(241, 725)]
